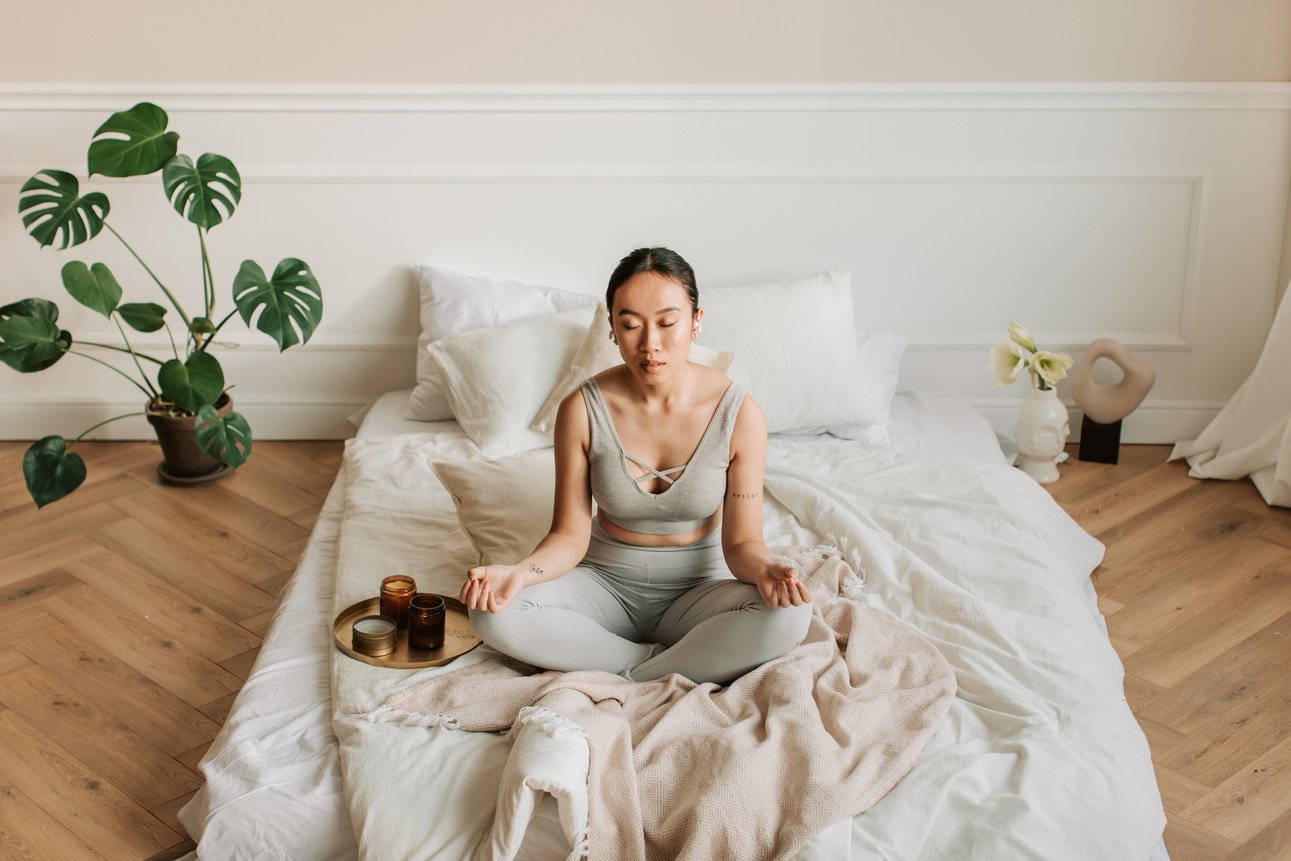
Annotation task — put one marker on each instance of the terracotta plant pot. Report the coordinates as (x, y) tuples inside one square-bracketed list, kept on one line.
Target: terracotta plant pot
[(183, 458)]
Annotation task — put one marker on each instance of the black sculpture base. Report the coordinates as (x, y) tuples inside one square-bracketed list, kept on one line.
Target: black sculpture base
[(1099, 443)]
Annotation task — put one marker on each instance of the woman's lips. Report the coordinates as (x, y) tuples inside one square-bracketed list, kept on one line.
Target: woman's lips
[(651, 366)]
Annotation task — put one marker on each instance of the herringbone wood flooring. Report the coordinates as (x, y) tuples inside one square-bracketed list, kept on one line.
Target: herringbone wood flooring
[(1196, 589), (130, 615), (120, 652)]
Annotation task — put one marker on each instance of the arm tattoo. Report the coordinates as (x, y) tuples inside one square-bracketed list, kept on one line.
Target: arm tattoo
[(745, 495), (536, 569)]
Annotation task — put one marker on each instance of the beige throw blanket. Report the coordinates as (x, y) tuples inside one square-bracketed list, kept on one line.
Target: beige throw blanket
[(749, 771)]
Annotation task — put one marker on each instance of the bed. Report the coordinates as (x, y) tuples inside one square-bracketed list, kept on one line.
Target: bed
[(1039, 755)]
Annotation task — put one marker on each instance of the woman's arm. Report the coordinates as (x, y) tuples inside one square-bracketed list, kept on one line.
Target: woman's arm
[(743, 544), (492, 587)]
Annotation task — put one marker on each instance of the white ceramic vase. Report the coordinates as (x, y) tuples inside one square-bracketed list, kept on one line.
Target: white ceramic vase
[(1041, 433)]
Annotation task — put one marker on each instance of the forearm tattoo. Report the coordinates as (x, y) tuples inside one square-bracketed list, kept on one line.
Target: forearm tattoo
[(536, 569), (745, 495)]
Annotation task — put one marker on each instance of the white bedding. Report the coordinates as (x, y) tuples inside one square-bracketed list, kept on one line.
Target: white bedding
[(1023, 752)]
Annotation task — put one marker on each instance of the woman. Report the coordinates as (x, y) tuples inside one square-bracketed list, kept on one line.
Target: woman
[(670, 451)]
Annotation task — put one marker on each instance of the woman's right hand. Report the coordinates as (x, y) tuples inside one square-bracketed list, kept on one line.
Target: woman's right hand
[(491, 587)]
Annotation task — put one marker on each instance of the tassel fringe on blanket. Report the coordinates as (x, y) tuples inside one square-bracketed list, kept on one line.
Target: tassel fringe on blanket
[(681, 771)]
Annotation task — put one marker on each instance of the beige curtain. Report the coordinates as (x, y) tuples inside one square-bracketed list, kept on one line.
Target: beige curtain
[(1252, 433)]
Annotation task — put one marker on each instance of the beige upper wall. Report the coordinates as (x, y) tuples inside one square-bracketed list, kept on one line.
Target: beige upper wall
[(664, 41)]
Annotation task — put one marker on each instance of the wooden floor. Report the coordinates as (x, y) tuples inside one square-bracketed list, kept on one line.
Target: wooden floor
[(130, 614), (1196, 589)]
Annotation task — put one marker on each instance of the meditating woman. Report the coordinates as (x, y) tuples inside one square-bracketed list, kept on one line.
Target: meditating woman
[(672, 575)]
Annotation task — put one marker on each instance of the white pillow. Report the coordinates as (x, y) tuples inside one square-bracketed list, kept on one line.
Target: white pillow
[(598, 353), (452, 303), (504, 505), (882, 351), (497, 378), (796, 349)]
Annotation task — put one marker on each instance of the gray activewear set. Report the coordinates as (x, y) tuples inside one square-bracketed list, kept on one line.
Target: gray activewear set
[(609, 611)]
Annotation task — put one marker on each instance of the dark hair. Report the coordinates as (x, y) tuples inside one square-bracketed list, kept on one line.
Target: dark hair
[(661, 261)]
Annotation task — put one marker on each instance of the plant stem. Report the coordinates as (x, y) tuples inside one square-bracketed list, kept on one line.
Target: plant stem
[(208, 275), (102, 423), (133, 382), (178, 308), (210, 340), (120, 350), (131, 351), (171, 336)]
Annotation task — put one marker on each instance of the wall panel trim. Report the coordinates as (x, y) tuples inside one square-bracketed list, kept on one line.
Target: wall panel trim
[(1172, 96)]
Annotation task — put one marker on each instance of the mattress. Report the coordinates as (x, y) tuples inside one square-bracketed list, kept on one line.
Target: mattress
[(273, 775)]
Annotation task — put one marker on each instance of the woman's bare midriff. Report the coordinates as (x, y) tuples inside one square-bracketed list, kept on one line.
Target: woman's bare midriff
[(627, 536)]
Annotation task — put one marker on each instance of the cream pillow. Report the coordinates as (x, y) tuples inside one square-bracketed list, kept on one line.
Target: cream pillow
[(453, 303), (498, 378), (598, 353), (504, 505), (796, 349)]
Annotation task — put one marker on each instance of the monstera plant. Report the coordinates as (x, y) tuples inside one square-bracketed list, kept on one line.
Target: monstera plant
[(186, 383)]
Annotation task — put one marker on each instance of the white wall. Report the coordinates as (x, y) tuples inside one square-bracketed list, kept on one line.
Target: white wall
[(1155, 213), (664, 41)]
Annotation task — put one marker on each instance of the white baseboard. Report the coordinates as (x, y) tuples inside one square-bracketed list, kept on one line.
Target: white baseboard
[(1159, 421), (320, 419), (1154, 422)]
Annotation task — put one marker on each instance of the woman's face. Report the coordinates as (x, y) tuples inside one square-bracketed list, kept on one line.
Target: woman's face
[(653, 323)]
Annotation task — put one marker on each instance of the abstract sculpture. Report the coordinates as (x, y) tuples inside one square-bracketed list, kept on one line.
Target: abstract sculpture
[(1106, 406)]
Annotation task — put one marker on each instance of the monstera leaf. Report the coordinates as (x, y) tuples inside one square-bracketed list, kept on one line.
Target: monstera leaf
[(205, 193), (30, 344), (41, 308), (52, 208), (51, 470), (94, 286), (226, 438), (290, 303), (193, 383), (143, 316), (132, 143)]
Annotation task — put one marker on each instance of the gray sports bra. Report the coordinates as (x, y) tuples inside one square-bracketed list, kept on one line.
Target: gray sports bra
[(688, 500)]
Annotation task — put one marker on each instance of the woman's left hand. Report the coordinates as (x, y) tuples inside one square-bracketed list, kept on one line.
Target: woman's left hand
[(779, 586)]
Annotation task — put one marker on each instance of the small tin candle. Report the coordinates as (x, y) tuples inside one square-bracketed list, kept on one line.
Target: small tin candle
[(426, 622), (396, 591), (374, 635)]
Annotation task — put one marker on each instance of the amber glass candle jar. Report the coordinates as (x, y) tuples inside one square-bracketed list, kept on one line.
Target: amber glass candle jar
[(396, 591), (426, 622)]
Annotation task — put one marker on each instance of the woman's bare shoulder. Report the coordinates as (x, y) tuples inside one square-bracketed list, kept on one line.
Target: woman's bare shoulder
[(612, 380), (714, 382)]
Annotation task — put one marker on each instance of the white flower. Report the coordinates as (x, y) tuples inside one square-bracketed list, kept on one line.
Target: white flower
[(1007, 362), (1019, 335), (1050, 367)]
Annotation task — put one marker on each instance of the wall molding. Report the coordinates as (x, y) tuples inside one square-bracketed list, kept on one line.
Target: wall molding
[(279, 98), (1197, 179), (287, 416)]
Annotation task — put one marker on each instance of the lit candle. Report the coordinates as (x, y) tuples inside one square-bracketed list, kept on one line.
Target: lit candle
[(396, 591)]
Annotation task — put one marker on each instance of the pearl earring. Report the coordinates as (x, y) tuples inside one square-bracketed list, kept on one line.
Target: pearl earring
[(699, 327)]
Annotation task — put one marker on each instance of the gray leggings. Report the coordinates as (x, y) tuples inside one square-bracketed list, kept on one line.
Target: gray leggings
[(605, 613)]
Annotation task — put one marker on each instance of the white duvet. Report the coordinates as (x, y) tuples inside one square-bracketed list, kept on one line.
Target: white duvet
[(1040, 756)]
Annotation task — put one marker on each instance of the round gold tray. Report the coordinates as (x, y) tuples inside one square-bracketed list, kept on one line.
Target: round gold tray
[(458, 637)]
